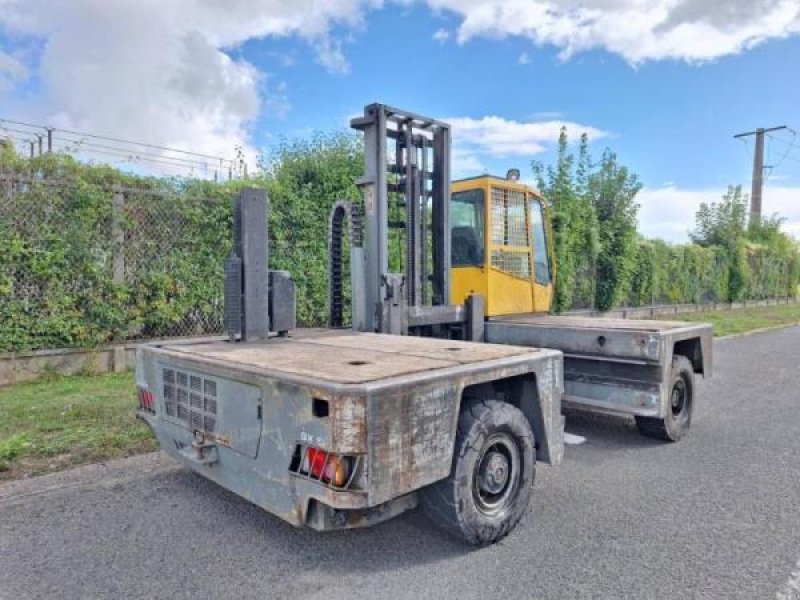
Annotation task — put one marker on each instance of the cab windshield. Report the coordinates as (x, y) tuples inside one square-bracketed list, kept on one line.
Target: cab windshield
[(467, 228)]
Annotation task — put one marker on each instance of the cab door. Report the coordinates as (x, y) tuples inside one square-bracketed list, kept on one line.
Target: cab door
[(542, 276)]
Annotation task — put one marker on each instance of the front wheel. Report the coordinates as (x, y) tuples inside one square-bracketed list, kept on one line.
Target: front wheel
[(494, 465), (678, 419)]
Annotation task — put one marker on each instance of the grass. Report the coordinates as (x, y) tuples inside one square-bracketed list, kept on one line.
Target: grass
[(741, 320), (66, 421)]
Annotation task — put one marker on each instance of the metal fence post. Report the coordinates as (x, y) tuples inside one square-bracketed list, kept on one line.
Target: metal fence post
[(118, 235), (118, 354)]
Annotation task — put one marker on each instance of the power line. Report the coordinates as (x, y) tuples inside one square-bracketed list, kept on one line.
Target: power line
[(133, 158), (83, 143), (789, 146), (220, 159)]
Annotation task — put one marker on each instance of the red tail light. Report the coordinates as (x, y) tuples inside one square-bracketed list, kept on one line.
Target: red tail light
[(326, 466), (147, 401)]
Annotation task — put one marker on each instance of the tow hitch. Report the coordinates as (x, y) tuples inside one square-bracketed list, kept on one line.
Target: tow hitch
[(201, 451)]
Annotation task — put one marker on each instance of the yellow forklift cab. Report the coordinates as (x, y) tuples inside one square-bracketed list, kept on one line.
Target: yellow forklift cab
[(501, 245)]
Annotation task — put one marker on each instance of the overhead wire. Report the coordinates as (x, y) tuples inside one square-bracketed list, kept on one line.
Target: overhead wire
[(789, 145), (129, 151), (131, 157), (117, 140), (84, 143)]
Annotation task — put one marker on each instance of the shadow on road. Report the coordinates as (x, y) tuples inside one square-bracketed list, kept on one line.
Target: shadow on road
[(407, 540), (607, 432)]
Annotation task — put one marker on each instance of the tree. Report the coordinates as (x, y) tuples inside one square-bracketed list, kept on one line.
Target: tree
[(722, 223), (565, 188), (613, 190)]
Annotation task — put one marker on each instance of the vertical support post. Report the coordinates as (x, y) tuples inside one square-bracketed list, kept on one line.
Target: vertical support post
[(117, 260), (376, 209), (440, 193), (357, 283), (412, 218), (476, 308), (118, 235), (758, 169), (250, 244), (423, 184), (758, 177), (40, 137), (49, 140)]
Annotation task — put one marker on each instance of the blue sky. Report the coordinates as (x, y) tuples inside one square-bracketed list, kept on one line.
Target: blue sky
[(665, 86)]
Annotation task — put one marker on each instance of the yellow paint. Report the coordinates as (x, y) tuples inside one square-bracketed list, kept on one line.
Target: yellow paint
[(505, 293)]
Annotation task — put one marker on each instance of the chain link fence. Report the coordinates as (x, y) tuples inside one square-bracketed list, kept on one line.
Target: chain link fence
[(83, 263)]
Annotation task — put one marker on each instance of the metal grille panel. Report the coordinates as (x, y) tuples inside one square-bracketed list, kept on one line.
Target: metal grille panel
[(513, 262), (190, 399), (510, 240)]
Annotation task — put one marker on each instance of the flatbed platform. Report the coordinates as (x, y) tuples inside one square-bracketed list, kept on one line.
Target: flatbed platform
[(346, 358)]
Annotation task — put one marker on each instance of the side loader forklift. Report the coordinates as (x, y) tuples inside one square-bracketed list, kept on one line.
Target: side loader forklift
[(338, 428)]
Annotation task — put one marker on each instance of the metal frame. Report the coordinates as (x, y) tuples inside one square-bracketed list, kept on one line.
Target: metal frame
[(415, 175)]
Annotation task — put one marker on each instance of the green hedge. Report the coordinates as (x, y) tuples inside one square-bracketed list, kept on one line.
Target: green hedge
[(57, 245), (689, 273)]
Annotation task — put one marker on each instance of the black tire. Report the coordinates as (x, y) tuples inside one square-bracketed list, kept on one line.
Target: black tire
[(494, 466), (678, 420)]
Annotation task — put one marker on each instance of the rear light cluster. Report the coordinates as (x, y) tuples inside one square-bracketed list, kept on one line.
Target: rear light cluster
[(320, 465), (147, 401)]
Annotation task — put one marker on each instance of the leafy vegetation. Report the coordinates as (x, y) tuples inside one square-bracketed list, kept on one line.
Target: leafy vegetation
[(58, 243), (603, 262)]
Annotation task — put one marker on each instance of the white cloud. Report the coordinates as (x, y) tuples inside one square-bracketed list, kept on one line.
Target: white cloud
[(638, 30), (668, 212), (159, 71), (524, 59), (465, 163), (502, 137), (496, 137), (441, 35)]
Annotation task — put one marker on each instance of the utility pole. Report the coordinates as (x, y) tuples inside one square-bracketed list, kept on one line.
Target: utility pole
[(758, 169), (49, 140)]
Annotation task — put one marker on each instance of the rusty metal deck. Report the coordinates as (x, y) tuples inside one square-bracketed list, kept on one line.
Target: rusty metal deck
[(347, 358)]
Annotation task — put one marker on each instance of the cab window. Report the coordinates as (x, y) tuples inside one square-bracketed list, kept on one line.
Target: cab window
[(467, 244), (542, 262)]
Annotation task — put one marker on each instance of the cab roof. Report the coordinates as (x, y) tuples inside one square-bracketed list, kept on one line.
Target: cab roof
[(502, 180)]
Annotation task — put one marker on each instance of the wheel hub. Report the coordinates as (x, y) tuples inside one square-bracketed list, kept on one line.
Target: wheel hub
[(678, 398), (497, 474), (494, 472)]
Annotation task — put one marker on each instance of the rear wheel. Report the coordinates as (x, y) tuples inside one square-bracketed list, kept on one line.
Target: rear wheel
[(494, 464), (678, 419)]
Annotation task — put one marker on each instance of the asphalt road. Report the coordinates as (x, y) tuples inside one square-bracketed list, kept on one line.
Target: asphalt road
[(714, 516)]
